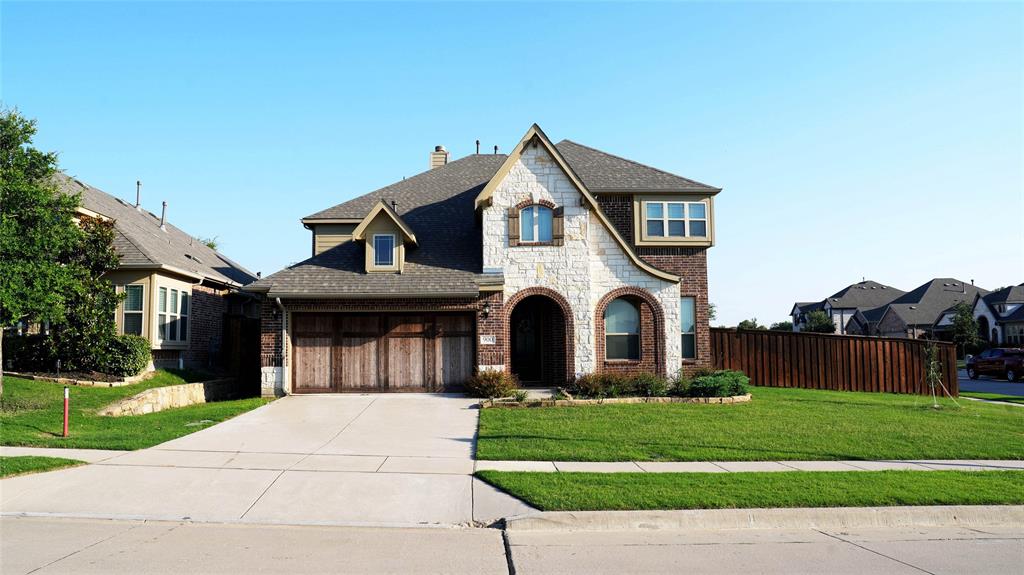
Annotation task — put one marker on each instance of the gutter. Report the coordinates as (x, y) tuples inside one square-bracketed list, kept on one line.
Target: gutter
[(378, 295)]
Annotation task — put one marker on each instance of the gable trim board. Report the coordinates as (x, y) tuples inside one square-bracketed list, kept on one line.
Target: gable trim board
[(534, 136), (360, 231)]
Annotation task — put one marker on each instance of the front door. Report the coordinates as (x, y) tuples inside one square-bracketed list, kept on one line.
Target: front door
[(527, 342)]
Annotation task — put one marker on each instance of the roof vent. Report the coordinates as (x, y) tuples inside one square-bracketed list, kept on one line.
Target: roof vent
[(163, 218), (138, 194), (913, 307), (438, 157)]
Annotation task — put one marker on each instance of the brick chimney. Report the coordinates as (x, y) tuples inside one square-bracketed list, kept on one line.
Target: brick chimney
[(438, 157)]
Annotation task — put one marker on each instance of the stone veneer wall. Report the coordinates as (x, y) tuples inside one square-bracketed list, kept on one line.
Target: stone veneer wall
[(171, 396), (589, 264)]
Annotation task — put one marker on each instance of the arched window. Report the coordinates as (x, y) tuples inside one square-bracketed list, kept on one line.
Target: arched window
[(622, 330), (535, 224)]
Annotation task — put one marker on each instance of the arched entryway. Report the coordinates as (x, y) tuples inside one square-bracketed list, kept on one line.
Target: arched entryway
[(540, 338), (983, 330)]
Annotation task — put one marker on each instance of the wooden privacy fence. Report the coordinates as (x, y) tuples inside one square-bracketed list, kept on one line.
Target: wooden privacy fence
[(826, 361)]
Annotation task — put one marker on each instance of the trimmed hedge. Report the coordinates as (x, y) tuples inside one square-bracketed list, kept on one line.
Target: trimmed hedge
[(725, 383), (127, 355), (492, 384)]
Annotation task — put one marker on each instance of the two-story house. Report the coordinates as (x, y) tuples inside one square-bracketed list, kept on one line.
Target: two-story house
[(865, 299), (1000, 315), (548, 262)]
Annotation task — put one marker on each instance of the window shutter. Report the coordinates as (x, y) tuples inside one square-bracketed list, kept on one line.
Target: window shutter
[(558, 227), (513, 226)]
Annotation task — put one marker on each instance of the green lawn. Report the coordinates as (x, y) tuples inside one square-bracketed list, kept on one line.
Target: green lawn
[(620, 491), (993, 396), (32, 413), (30, 464), (779, 424)]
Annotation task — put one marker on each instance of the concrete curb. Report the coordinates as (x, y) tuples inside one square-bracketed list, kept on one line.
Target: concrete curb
[(805, 518)]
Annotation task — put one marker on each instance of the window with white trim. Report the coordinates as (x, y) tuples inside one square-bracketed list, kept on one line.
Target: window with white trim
[(676, 219), (172, 314), (622, 330), (384, 250), (131, 321), (688, 326), (535, 224)]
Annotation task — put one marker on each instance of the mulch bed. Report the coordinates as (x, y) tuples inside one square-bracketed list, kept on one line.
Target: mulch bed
[(83, 375)]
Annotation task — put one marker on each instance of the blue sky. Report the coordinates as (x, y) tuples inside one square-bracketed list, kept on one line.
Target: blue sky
[(869, 139)]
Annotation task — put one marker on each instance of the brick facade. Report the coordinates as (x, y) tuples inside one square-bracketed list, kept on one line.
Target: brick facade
[(206, 326), (652, 323)]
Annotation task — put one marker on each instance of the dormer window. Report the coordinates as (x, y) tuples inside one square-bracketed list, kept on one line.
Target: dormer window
[(384, 250), (535, 224)]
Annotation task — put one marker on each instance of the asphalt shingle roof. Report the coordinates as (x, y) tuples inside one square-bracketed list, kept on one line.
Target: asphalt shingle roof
[(438, 205), (138, 239), (1012, 294), (924, 304), (865, 294)]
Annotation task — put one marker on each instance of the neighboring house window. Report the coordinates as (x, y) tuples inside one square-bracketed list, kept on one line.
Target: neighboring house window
[(132, 320), (384, 250), (1014, 334), (535, 224), (688, 327), (172, 314), (622, 330), (677, 219)]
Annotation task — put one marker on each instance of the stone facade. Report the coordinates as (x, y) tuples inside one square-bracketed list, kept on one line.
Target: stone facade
[(171, 396), (589, 265)]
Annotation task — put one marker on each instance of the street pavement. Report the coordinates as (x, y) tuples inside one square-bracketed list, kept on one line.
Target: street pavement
[(987, 384), (56, 545)]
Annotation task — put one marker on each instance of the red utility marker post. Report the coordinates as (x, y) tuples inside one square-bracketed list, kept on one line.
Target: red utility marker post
[(65, 411)]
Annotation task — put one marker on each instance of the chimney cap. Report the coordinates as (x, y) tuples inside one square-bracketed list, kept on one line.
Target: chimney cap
[(439, 149)]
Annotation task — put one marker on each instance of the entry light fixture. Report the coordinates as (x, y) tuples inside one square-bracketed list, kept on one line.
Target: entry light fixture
[(485, 310)]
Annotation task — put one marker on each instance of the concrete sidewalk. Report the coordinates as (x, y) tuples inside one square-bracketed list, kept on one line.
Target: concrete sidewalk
[(748, 466)]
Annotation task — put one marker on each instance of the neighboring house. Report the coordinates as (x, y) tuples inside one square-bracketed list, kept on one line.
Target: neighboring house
[(178, 290), (552, 261), (1000, 316), (843, 305), (916, 313)]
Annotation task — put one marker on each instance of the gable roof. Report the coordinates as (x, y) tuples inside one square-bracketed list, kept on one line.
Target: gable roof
[(806, 307), (604, 172), (438, 205), (383, 207), (536, 136), (1011, 294), (865, 294), (925, 303), (140, 243)]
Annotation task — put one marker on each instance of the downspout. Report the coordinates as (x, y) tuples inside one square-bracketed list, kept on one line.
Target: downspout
[(284, 334)]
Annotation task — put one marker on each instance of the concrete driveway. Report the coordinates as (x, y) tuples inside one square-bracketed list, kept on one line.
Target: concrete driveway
[(381, 459)]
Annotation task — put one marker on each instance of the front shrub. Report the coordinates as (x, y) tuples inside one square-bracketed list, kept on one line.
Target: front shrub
[(725, 383), (29, 353), (492, 384), (127, 355), (649, 385)]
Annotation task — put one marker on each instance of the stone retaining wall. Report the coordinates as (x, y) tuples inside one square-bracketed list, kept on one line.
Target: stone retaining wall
[(571, 402), (171, 396)]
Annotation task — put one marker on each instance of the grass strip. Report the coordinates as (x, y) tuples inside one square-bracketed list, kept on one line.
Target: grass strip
[(32, 415), (20, 465), (779, 424), (993, 396), (652, 491)]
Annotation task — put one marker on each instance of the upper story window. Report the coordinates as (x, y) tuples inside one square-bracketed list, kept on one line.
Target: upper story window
[(676, 219), (535, 224), (384, 250), (622, 330), (131, 322)]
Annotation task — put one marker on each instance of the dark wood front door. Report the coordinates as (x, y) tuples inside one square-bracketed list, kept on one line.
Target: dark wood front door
[(381, 352), (527, 343)]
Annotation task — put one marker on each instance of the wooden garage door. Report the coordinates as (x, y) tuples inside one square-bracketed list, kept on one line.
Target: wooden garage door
[(389, 352)]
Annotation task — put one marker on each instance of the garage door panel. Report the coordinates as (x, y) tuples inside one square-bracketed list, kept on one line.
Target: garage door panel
[(359, 368), (453, 360), (405, 363), (313, 362), (360, 324)]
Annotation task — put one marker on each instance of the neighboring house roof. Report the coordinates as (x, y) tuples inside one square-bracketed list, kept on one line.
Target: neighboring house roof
[(807, 306), (438, 206), (865, 294), (604, 172), (925, 304), (1012, 294), (140, 243)]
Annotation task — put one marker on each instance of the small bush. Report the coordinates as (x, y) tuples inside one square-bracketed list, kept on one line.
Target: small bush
[(127, 355), (520, 395), (602, 385), (680, 386), (29, 353), (649, 385), (492, 384), (725, 383)]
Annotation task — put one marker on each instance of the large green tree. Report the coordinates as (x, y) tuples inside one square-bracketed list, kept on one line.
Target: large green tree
[(39, 239), (819, 322), (965, 328)]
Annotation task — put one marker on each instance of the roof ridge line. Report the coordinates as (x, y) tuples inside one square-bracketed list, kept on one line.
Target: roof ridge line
[(636, 163)]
